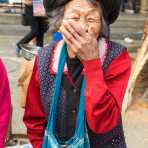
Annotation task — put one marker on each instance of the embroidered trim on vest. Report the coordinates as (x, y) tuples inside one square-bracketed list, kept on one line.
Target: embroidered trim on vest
[(46, 80)]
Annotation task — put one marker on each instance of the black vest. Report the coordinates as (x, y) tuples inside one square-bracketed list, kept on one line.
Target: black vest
[(112, 139)]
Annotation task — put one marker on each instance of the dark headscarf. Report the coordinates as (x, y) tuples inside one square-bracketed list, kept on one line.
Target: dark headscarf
[(110, 7)]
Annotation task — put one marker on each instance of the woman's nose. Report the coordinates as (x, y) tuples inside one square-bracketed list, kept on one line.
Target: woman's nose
[(84, 24)]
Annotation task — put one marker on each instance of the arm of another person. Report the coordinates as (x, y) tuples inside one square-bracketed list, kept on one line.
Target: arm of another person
[(34, 116), (5, 104), (104, 93)]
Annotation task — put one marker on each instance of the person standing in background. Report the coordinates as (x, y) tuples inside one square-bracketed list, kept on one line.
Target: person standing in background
[(123, 4), (5, 104), (36, 25)]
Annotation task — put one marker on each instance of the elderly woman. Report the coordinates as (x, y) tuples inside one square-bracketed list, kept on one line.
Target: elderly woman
[(104, 64), (5, 104)]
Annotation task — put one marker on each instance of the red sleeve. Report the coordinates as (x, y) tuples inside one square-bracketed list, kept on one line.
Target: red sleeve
[(5, 104), (34, 116), (104, 93)]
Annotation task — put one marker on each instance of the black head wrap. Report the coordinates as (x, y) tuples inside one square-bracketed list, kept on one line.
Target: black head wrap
[(110, 7)]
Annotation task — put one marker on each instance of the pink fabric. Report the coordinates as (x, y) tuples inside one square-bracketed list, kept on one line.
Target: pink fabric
[(5, 104)]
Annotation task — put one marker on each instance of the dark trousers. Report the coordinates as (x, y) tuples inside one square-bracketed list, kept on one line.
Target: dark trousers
[(36, 25), (123, 4)]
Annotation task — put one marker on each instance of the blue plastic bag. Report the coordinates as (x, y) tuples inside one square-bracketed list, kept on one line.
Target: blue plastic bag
[(80, 137)]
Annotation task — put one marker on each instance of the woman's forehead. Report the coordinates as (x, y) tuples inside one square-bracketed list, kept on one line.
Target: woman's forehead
[(81, 5)]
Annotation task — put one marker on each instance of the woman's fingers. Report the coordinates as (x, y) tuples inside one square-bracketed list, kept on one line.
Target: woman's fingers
[(70, 48), (72, 31), (78, 28), (67, 34), (82, 39), (70, 40)]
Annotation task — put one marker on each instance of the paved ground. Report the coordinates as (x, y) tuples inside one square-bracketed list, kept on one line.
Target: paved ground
[(12, 63), (135, 124)]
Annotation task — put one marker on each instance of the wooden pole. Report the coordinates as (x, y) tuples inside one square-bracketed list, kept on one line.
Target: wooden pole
[(141, 59)]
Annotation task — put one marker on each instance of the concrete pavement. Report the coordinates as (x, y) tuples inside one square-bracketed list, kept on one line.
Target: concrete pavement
[(12, 63)]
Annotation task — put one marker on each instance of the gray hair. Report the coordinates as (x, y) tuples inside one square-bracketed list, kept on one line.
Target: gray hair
[(55, 18)]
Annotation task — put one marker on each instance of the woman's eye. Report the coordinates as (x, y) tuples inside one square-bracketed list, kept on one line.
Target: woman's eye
[(92, 20), (75, 18)]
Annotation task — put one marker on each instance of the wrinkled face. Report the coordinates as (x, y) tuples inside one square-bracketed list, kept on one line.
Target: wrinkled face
[(85, 14)]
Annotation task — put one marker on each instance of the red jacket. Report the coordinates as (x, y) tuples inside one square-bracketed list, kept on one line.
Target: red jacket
[(104, 96)]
